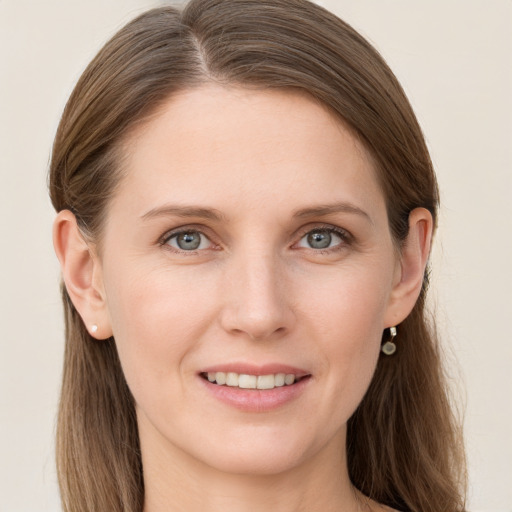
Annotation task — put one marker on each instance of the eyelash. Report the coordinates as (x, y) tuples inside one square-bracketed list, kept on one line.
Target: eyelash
[(345, 236), (164, 240)]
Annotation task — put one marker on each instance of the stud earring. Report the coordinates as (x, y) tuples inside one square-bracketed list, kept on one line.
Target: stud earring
[(94, 328), (389, 347)]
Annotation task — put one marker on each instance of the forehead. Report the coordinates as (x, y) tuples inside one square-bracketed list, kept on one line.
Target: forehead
[(217, 143)]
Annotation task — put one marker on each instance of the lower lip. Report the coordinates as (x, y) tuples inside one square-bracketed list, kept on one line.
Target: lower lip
[(256, 400)]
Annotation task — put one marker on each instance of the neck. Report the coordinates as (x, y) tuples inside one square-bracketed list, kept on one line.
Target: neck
[(176, 481)]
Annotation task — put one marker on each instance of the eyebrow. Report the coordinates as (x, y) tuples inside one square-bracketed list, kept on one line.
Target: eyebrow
[(184, 211), (328, 209), (216, 215)]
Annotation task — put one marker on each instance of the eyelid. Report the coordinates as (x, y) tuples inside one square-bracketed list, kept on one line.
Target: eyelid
[(345, 236), (189, 228), (322, 225)]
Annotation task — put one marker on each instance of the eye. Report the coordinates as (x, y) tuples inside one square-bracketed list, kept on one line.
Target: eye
[(188, 241), (322, 238)]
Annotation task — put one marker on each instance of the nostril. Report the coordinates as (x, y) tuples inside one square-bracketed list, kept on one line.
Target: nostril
[(257, 311)]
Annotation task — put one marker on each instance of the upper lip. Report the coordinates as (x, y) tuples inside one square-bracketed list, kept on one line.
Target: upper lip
[(252, 369)]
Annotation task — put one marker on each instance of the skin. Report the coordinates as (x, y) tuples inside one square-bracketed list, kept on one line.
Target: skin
[(255, 291)]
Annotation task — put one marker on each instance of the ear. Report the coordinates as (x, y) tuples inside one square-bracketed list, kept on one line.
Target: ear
[(411, 268), (81, 271)]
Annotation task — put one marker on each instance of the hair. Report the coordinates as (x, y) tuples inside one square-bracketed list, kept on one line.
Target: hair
[(404, 446)]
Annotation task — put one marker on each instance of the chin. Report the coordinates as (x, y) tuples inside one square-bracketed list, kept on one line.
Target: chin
[(257, 461), (263, 450)]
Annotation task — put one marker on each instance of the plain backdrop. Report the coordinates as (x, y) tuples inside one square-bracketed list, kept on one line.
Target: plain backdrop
[(454, 59)]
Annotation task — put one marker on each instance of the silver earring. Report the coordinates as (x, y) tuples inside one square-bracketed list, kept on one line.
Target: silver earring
[(94, 328), (389, 347)]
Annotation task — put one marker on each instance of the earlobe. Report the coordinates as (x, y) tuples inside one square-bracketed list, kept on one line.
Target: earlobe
[(81, 272), (411, 271)]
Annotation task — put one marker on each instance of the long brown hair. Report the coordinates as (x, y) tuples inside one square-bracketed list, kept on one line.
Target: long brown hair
[(404, 446)]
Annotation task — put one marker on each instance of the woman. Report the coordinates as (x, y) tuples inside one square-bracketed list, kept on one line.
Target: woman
[(246, 206)]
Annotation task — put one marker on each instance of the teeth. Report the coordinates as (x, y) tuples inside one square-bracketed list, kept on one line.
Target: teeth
[(220, 378), (246, 381), (266, 382), (231, 379), (279, 379)]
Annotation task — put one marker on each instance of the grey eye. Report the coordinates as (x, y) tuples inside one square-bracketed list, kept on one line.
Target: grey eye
[(320, 239), (189, 241)]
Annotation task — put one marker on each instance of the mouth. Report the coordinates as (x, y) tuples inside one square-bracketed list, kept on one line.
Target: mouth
[(255, 388), (248, 381)]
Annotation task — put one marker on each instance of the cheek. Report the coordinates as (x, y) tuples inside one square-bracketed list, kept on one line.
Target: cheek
[(157, 317), (346, 318), (350, 302)]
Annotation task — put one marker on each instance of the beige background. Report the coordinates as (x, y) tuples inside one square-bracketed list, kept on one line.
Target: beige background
[(454, 58)]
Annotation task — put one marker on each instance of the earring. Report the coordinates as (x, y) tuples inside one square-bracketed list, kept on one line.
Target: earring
[(94, 328), (389, 347)]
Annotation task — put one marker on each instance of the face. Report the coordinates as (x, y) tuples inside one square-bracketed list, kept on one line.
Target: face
[(248, 237)]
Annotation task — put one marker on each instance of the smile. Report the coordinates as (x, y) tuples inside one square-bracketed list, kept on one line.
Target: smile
[(247, 381), (253, 393)]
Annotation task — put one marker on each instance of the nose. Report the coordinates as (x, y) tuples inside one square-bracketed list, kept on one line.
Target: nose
[(257, 298)]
